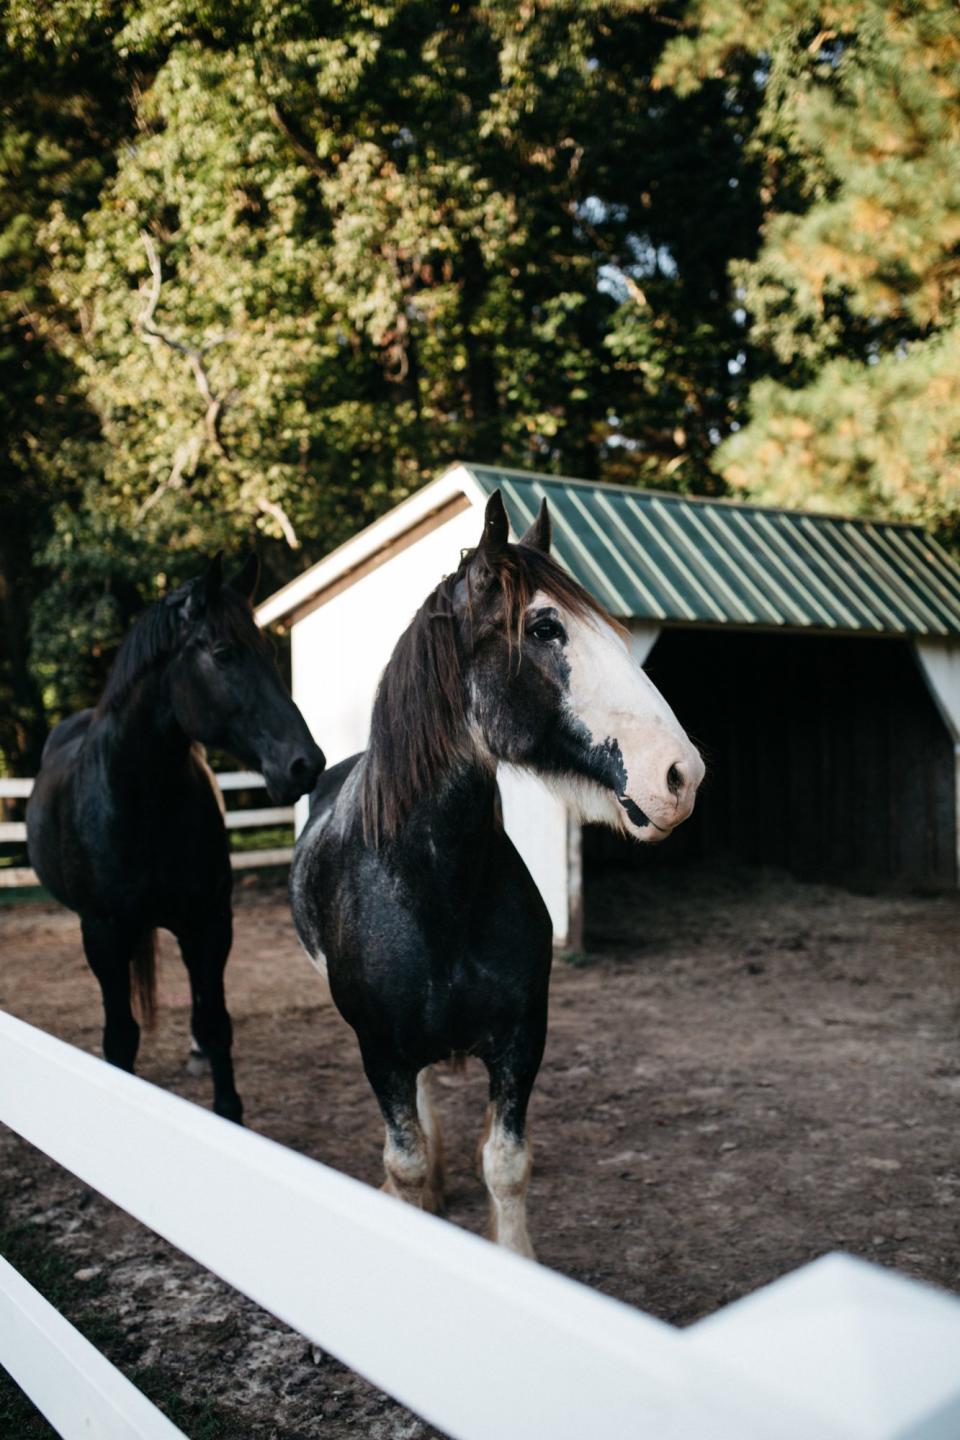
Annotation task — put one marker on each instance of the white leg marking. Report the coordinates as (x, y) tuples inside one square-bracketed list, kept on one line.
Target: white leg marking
[(506, 1172), (433, 1199), (319, 962), (406, 1163), (197, 1061)]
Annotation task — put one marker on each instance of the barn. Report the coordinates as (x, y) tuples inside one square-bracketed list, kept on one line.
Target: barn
[(815, 659)]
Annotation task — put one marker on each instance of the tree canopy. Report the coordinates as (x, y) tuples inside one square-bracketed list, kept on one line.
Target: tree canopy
[(266, 268), (854, 295)]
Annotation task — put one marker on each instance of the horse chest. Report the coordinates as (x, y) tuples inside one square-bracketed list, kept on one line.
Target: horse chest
[(434, 988), (146, 846)]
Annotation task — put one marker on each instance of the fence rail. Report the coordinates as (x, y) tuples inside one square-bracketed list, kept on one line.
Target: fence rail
[(15, 831), (482, 1344), (79, 1392)]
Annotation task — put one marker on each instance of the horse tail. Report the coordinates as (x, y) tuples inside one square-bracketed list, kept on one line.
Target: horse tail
[(144, 978)]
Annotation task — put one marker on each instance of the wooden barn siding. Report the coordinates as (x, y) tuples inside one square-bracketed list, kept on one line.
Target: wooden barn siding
[(826, 756)]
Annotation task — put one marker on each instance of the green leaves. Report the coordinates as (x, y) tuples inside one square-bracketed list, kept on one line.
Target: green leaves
[(264, 269), (855, 295)]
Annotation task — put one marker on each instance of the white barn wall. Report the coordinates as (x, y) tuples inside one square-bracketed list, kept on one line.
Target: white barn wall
[(537, 823), (339, 651), (644, 634), (940, 665)]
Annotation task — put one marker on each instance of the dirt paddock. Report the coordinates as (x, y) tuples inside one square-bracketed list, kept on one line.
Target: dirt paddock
[(741, 1074)]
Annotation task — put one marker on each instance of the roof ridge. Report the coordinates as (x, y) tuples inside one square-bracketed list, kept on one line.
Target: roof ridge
[(726, 501)]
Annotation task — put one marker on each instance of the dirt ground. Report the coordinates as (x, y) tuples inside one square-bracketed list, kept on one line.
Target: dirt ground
[(741, 1074)]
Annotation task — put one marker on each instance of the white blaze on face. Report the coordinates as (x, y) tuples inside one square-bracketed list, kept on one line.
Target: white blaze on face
[(618, 705)]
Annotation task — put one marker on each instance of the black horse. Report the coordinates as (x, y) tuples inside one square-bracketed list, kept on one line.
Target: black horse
[(406, 887), (125, 823)]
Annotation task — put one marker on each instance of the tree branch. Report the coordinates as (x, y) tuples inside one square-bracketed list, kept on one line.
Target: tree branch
[(277, 512), (192, 354), (309, 157)]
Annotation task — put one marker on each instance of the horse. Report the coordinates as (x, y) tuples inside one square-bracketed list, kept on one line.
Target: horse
[(125, 823), (404, 886)]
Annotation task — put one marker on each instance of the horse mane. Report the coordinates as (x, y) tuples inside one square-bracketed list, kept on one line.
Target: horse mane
[(159, 632), (418, 729)]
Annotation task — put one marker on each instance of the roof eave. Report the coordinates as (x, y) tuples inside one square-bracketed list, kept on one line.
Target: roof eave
[(352, 554)]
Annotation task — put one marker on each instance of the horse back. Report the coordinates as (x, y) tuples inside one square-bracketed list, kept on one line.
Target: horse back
[(46, 806), (72, 729)]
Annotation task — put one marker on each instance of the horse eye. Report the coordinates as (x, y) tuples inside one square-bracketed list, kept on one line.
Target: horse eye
[(546, 630), (223, 654)]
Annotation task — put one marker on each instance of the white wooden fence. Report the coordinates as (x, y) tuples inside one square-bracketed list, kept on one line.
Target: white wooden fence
[(16, 830), (484, 1345)]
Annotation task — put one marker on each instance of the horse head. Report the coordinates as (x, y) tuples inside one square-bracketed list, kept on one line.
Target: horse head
[(551, 685), (225, 688)]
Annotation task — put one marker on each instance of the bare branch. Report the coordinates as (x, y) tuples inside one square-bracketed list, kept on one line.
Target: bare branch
[(185, 458), (309, 156), (193, 354), (276, 512), (633, 289), (819, 40), (145, 318), (637, 295)]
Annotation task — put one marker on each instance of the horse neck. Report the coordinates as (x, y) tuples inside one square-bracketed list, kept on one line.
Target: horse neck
[(141, 737), (447, 829)]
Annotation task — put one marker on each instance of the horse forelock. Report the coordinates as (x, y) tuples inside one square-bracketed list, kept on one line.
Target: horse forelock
[(229, 617), (522, 572), (160, 631), (419, 727)]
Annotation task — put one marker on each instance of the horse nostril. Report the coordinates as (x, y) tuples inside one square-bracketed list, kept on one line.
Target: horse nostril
[(303, 770), (675, 780)]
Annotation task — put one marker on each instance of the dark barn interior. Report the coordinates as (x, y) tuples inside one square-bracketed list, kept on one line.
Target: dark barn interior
[(827, 758)]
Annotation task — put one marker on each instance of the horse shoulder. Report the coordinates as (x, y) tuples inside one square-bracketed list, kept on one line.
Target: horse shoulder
[(325, 859)]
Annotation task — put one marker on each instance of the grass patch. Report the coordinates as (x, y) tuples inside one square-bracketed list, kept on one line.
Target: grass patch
[(23, 895), (579, 959), (277, 837)]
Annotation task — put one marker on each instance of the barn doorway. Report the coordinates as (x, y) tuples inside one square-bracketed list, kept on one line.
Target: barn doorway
[(826, 756)]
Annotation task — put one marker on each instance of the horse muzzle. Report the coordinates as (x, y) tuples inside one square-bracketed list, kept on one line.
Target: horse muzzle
[(295, 775), (657, 814)]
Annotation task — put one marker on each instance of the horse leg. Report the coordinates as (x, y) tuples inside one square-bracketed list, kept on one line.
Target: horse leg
[(505, 1152), (109, 946), (406, 1151), (434, 1195), (205, 948), (198, 1061)]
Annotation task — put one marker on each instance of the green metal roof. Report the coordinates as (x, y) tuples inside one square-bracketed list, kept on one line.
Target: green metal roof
[(668, 557)]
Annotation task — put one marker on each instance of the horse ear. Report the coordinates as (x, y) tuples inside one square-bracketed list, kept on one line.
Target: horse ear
[(245, 581), (213, 579), (540, 532), (496, 526)]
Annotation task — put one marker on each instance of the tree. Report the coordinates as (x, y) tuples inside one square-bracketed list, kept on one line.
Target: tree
[(60, 113), (321, 250), (855, 292)]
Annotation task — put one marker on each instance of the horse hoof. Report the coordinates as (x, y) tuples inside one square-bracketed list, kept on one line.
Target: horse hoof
[(198, 1063), (233, 1111), (435, 1202)]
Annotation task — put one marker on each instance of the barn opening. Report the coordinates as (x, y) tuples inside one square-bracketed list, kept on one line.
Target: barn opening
[(827, 758)]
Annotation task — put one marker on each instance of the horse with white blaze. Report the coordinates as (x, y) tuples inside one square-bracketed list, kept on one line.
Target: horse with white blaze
[(404, 884)]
